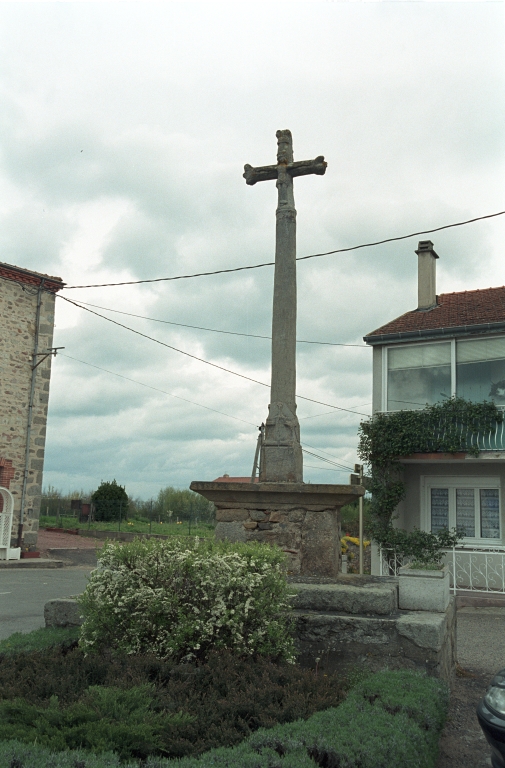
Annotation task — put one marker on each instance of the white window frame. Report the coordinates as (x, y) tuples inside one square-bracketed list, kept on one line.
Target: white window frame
[(452, 482), (453, 342)]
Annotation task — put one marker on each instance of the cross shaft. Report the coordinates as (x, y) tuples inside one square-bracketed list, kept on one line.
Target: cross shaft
[(281, 456)]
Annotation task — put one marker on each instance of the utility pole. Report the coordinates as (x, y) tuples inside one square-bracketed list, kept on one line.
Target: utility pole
[(358, 468)]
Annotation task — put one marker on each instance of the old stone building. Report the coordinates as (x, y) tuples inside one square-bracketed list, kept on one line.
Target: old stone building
[(26, 334)]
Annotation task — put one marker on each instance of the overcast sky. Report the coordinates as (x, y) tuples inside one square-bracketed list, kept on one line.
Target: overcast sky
[(125, 128)]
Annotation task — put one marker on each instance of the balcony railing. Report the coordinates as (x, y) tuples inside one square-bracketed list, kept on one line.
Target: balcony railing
[(476, 568), (489, 440)]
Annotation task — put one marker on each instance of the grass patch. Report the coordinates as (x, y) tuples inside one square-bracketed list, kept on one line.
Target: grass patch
[(39, 639)]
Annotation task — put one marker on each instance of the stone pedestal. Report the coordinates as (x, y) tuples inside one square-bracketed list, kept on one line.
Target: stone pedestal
[(300, 518)]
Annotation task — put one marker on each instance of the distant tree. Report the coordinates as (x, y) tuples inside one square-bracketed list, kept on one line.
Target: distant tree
[(110, 500), (183, 504)]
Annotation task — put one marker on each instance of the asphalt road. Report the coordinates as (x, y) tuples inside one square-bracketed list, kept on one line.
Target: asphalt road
[(23, 594)]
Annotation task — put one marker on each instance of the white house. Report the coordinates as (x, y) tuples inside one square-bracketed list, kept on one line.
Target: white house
[(451, 344)]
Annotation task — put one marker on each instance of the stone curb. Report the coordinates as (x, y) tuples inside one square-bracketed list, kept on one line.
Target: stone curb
[(36, 562), (74, 555)]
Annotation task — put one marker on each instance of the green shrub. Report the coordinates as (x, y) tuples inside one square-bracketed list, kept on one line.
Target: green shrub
[(180, 599), (228, 697), (391, 719), (15, 754), (104, 719), (45, 637)]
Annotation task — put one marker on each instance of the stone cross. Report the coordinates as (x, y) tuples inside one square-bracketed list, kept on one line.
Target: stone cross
[(281, 453)]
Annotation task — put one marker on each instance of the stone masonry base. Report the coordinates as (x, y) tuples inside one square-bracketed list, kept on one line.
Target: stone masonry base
[(348, 625), (301, 519)]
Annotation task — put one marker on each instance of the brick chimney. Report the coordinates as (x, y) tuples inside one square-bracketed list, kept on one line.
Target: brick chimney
[(426, 275)]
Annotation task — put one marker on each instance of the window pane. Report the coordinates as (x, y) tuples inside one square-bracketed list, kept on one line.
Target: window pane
[(480, 369), (419, 356), (465, 510), (418, 375), (439, 509), (489, 513)]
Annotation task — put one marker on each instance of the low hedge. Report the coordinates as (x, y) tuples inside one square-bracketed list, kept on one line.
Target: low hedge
[(180, 599), (62, 700), (391, 719)]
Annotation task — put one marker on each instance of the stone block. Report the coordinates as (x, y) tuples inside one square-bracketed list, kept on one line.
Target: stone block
[(421, 590), (344, 642), (257, 515), (64, 612), (230, 531), (231, 515), (321, 544), (344, 598), (250, 525), (426, 630), (296, 515), (265, 526), (278, 517)]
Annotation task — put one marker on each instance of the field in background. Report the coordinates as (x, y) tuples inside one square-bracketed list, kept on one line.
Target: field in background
[(186, 528)]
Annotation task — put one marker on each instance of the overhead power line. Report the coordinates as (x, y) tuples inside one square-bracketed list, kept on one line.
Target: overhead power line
[(157, 389), (341, 466), (300, 258), (192, 402), (216, 330), (200, 359), (199, 405)]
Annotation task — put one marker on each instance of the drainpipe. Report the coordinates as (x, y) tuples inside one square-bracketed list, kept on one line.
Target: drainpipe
[(30, 414)]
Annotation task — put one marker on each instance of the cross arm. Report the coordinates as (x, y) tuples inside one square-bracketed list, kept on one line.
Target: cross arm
[(270, 172), (306, 167), (264, 173)]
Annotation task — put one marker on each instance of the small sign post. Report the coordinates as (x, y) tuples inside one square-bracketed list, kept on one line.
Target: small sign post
[(358, 468)]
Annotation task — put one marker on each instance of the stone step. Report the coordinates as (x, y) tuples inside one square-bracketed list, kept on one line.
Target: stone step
[(380, 600)]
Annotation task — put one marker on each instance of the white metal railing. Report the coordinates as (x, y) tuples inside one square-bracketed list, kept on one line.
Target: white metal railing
[(476, 568), (491, 440)]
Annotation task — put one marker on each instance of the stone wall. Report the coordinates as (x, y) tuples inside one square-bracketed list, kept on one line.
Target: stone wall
[(354, 624), (18, 306)]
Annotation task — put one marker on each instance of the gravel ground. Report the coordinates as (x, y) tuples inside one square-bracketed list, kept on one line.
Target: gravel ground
[(54, 540), (481, 653)]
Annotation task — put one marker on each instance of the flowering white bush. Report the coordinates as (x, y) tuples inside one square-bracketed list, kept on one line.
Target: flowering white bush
[(180, 599)]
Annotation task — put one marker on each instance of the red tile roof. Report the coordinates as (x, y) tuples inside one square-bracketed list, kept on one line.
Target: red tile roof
[(228, 479), (453, 310), (28, 277)]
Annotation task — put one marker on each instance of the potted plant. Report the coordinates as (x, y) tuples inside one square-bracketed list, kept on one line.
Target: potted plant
[(423, 584)]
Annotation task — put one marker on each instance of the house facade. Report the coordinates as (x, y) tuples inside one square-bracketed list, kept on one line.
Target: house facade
[(451, 345), (26, 333)]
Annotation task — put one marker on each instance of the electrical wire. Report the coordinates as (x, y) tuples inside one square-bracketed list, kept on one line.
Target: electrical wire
[(329, 454), (200, 359), (341, 466), (331, 413), (300, 258), (156, 389), (215, 330), (326, 469), (192, 402)]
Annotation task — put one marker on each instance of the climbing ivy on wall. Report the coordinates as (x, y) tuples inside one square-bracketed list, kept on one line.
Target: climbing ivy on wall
[(448, 427)]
